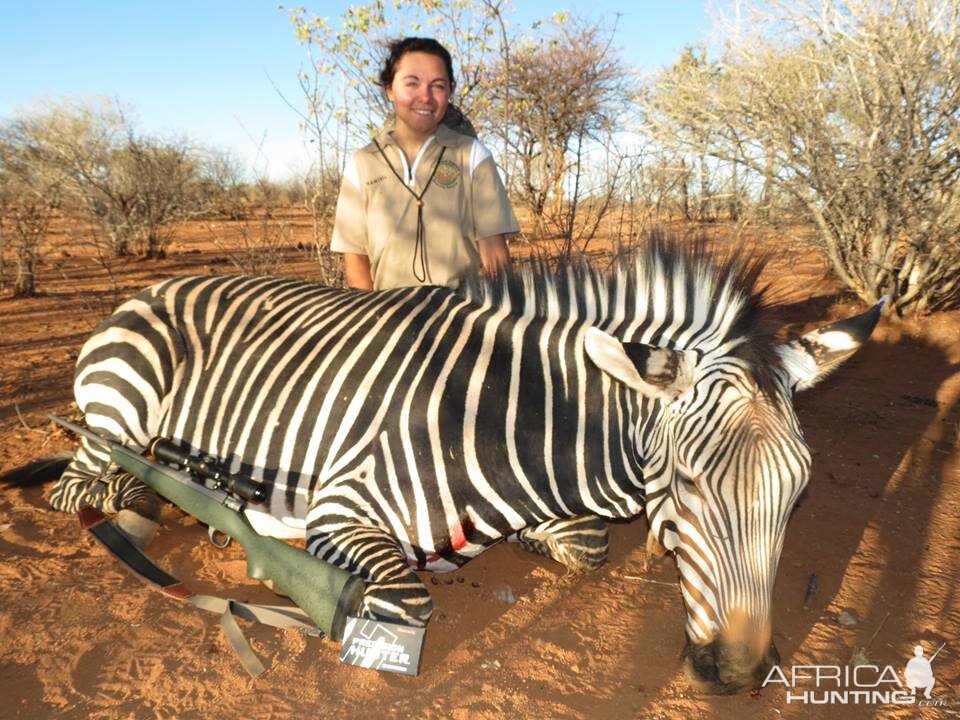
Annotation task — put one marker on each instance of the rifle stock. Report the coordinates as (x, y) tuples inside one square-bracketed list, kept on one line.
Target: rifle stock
[(325, 592)]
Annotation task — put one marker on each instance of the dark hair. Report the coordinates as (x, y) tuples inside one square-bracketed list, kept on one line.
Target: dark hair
[(398, 48)]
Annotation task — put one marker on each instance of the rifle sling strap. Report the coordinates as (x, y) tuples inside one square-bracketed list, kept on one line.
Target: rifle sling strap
[(142, 567)]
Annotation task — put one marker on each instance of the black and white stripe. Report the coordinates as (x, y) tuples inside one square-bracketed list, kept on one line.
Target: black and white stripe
[(413, 428)]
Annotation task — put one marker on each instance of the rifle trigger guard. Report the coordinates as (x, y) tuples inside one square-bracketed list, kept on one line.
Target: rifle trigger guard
[(217, 538)]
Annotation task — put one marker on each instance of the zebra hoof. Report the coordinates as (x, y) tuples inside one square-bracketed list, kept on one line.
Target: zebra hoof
[(139, 529), (654, 548), (655, 551)]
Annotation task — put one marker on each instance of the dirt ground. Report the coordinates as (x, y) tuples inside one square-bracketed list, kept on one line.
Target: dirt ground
[(879, 526)]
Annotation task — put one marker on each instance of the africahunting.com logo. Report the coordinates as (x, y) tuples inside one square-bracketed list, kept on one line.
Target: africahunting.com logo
[(862, 684)]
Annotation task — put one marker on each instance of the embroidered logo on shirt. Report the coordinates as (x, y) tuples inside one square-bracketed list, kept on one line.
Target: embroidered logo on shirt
[(447, 174), (376, 180)]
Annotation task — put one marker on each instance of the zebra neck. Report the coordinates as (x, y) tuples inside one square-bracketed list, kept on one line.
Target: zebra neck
[(568, 429)]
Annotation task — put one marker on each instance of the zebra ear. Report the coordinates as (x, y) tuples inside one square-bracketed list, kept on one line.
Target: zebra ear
[(812, 357), (650, 370)]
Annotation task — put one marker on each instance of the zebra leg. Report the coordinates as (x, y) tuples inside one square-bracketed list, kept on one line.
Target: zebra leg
[(579, 543), (393, 592), (90, 479)]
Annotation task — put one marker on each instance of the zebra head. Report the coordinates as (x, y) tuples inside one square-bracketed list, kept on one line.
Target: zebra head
[(724, 462)]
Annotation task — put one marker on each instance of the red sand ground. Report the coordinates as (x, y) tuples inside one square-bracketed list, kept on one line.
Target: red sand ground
[(880, 526)]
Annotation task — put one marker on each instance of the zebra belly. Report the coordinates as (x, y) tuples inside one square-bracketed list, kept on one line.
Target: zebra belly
[(286, 528), (439, 563), (451, 557)]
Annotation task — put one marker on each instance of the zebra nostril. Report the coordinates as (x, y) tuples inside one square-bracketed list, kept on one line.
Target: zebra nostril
[(723, 667), (770, 658), (702, 665)]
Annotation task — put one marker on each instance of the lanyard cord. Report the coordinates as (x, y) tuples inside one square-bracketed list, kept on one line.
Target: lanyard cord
[(420, 249)]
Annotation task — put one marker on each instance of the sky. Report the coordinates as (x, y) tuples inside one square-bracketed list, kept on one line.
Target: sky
[(210, 70)]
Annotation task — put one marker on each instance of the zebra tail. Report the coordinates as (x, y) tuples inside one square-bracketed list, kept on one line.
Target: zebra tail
[(37, 472)]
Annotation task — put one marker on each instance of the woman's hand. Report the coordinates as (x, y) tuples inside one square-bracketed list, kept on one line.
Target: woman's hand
[(356, 269), (494, 253)]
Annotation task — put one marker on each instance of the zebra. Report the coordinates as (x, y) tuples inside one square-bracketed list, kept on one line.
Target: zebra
[(411, 429)]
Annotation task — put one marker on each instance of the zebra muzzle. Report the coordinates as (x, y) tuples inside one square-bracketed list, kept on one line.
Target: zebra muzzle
[(722, 667)]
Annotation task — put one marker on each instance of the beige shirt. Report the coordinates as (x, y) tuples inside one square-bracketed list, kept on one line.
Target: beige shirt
[(377, 215)]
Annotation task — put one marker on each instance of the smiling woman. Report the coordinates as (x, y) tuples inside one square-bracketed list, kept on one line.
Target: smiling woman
[(421, 204)]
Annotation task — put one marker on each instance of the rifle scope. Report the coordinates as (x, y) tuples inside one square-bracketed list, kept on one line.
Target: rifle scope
[(240, 485)]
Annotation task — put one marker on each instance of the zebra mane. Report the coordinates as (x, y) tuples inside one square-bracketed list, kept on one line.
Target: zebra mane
[(666, 293)]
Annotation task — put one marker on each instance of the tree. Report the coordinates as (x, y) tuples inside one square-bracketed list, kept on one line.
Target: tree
[(131, 186), (29, 200), (568, 94), (692, 73), (851, 110), (220, 185), (153, 182)]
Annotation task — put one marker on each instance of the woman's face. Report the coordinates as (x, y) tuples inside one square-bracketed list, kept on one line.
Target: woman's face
[(420, 92)]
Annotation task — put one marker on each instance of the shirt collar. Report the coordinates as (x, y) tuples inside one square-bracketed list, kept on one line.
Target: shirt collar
[(444, 136)]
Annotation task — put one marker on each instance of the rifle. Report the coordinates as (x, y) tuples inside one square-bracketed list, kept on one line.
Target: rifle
[(325, 592)]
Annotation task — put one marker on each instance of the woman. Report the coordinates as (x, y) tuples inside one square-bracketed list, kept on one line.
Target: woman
[(421, 204)]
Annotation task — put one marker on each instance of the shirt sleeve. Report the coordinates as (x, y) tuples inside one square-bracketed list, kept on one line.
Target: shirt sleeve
[(350, 221), (492, 211)]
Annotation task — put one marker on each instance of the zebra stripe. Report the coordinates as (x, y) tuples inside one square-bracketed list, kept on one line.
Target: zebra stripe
[(414, 428)]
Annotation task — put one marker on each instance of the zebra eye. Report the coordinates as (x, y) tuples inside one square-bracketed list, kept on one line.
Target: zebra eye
[(687, 481)]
